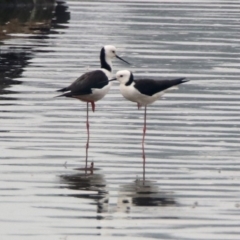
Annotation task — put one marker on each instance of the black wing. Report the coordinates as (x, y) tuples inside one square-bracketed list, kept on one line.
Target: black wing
[(150, 87), (84, 84)]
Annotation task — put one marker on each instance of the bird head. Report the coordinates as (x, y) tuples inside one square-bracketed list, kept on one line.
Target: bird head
[(111, 52), (123, 76)]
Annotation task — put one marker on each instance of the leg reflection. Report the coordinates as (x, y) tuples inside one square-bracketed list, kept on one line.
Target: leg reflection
[(87, 144), (144, 158), (143, 138)]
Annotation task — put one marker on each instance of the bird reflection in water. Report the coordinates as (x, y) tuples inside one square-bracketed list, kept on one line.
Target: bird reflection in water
[(143, 193), (144, 160), (91, 186)]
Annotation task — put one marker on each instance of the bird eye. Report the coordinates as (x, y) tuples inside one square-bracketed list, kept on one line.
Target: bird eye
[(121, 75), (113, 51)]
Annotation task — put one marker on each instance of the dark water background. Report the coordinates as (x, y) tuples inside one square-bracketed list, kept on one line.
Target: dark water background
[(192, 186)]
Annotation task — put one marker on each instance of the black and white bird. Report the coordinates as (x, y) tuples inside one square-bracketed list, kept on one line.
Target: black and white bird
[(94, 85), (144, 91)]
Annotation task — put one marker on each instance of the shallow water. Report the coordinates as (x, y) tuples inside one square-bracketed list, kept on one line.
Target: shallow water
[(192, 180)]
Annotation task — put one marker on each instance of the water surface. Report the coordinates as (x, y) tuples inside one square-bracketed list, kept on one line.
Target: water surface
[(191, 187)]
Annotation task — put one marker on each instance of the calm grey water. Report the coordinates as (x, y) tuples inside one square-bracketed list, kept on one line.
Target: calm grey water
[(192, 183)]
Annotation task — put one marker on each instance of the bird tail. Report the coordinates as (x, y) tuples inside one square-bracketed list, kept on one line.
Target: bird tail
[(68, 94), (63, 89), (173, 84), (179, 81)]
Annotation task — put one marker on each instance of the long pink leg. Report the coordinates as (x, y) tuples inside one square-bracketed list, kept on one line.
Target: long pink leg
[(93, 106), (144, 133), (88, 136)]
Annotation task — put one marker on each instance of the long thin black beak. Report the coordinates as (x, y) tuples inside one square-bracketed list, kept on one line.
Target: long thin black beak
[(113, 79), (122, 59)]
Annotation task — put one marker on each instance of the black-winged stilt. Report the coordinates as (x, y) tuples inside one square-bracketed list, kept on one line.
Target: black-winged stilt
[(144, 92), (93, 86)]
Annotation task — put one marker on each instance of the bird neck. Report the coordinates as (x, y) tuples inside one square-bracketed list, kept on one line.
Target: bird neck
[(130, 80), (106, 62)]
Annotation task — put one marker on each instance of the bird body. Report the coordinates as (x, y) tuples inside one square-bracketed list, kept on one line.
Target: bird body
[(144, 91), (94, 85), (131, 93), (90, 87)]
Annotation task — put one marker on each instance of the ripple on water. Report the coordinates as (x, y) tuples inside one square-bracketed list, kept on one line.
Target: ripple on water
[(190, 189)]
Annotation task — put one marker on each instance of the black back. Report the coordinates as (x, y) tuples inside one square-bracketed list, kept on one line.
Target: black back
[(84, 84), (150, 87)]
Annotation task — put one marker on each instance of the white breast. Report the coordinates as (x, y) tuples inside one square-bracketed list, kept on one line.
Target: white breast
[(98, 94), (129, 92)]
